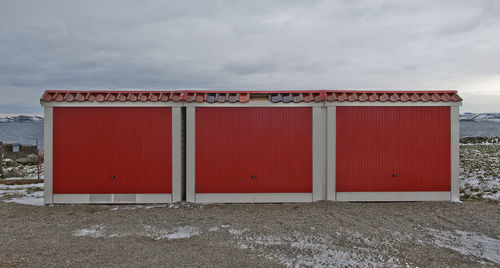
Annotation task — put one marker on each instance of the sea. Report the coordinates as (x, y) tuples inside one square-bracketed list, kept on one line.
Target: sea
[(30, 133)]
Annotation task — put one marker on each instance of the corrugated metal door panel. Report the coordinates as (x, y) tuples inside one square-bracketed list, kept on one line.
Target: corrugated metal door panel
[(274, 144), (373, 143), (132, 144)]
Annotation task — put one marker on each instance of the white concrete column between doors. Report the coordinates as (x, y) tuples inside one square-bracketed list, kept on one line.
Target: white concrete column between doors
[(190, 154), (48, 129), (455, 158), (331, 125), (319, 153)]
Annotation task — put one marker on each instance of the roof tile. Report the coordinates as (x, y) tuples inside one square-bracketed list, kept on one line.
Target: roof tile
[(244, 96)]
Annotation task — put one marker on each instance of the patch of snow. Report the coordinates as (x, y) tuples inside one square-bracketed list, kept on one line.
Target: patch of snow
[(101, 231), (470, 244), (480, 172), (301, 250), (214, 229), (493, 196), (236, 232), (14, 178), (27, 200), (33, 199), (181, 232), (21, 195), (94, 231), (155, 206), (21, 186)]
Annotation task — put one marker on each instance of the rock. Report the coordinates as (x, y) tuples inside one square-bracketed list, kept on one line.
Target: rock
[(11, 172), (23, 160), (32, 158), (7, 162)]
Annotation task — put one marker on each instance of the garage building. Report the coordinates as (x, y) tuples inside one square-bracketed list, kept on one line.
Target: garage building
[(250, 146)]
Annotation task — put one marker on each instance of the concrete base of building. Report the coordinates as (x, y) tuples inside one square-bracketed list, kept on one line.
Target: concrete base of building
[(111, 198), (254, 198), (393, 196)]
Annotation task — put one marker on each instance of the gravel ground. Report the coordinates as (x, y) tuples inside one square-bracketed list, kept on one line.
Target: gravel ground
[(318, 234)]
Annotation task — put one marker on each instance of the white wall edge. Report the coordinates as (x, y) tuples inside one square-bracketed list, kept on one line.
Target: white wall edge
[(380, 103), (455, 154), (176, 154), (254, 198), (48, 130), (319, 153), (331, 142), (393, 196), (190, 154), (112, 198)]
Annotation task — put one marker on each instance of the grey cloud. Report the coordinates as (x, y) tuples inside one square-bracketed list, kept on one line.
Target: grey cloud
[(246, 44)]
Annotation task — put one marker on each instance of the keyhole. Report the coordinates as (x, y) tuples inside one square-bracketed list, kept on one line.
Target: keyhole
[(394, 175), (254, 176), (112, 176)]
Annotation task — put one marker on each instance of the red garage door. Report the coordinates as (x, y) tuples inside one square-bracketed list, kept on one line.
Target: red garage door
[(253, 150), (384, 149), (91, 145)]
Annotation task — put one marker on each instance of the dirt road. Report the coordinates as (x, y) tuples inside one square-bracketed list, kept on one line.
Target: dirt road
[(325, 234)]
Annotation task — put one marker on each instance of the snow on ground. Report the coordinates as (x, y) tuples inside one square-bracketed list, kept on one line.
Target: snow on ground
[(132, 207), (94, 231), (33, 199), (26, 194), (101, 231), (306, 250), (180, 232), (480, 171), (471, 244), (321, 250)]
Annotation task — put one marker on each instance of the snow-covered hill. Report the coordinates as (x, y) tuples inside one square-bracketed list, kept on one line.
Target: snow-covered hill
[(20, 118), (480, 117)]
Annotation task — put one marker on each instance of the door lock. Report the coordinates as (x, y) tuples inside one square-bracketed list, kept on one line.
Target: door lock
[(112, 176), (254, 176)]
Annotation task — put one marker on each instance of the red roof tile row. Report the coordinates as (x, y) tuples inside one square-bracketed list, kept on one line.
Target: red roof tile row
[(244, 96)]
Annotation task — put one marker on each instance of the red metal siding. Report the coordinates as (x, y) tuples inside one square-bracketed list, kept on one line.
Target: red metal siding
[(133, 144), (232, 144), (375, 142)]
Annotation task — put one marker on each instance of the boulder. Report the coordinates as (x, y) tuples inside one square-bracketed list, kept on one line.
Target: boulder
[(11, 172), (32, 158), (7, 162), (23, 160)]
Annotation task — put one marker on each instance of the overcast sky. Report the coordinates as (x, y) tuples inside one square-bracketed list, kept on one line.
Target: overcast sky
[(249, 45)]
